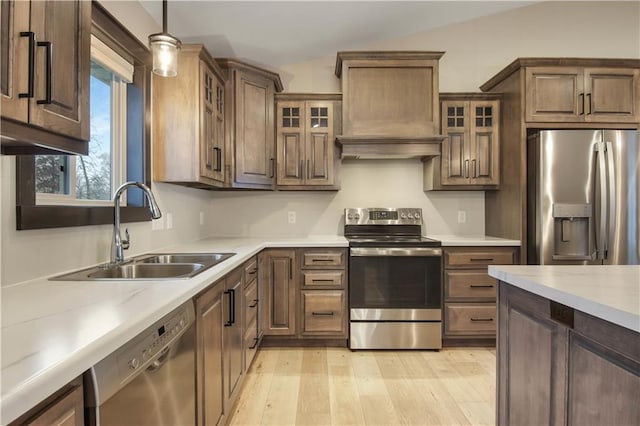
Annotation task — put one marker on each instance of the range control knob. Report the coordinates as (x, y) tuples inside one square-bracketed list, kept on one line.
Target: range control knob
[(357, 216), (134, 363), (350, 216), (181, 323), (403, 216), (410, 215), (416, 215)]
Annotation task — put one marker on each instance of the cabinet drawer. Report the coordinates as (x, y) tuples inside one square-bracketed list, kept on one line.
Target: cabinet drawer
[(250, 270), (315, 279), (251, 302), (469, 285), (323, 312), (250, 343), (323, 259), (471, 319), (477, 258)]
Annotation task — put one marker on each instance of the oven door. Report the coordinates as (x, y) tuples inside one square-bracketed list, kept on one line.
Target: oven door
[(400, 279)]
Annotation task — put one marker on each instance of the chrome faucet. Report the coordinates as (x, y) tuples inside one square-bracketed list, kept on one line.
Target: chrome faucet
[(118, 245)]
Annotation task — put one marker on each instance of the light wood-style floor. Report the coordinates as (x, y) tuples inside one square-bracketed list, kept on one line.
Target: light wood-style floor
[(334, 386)]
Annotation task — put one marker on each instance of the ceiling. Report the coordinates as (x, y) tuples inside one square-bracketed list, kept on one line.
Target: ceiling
[(276, 33)]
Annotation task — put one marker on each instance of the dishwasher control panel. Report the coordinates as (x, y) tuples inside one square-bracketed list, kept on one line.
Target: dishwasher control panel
[(147, 350)]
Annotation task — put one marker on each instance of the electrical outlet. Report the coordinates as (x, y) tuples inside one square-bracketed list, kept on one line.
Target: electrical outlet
[(169, 221), (291, 217), (462, 216), (201, 218)]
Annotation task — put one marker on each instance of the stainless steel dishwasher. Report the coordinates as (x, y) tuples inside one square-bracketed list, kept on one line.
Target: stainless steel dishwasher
[(150, 380)]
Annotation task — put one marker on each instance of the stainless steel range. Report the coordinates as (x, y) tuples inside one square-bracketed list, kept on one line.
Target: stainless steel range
[(395, 280)]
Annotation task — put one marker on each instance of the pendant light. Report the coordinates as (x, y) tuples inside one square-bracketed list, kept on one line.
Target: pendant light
[(164, 48)]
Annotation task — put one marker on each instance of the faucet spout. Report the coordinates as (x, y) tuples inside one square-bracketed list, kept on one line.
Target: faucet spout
[(117, 244)]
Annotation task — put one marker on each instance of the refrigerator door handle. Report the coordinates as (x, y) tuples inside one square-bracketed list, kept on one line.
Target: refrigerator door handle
[(602, 228), (612, 197)]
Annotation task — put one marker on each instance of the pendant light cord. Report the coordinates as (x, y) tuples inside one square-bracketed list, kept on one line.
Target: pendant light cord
[(164, 16)]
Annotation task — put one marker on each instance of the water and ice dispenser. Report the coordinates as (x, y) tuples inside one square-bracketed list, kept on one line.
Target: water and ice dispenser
[(572, 230)]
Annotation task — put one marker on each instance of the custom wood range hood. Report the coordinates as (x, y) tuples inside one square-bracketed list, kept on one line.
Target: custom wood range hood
[(390, 104)]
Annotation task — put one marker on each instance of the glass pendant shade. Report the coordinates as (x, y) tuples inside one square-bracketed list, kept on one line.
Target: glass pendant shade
[(164, 48)]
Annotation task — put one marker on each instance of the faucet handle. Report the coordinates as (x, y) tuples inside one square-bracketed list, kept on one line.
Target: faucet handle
[(125, 241)]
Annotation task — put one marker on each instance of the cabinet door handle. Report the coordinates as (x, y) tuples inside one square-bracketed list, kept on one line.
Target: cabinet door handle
[(32, 55), (300, 176), (255, 303), (255, 343), (480, 286), (48, 63), (253, 271), (581, 103), (322, 314), (272, 163), (218, 155), (321, 260), (481, 319), (322, 280), (481, 259), (232, 302), (589, 103), (308, 170), (466, 168), (475, 168), (290, 268)]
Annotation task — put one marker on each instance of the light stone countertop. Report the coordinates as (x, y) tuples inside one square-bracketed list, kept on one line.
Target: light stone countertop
[(611, 293), (52, 331), (472, 240)]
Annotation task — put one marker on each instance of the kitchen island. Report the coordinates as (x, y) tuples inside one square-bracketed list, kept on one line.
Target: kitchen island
[(568, 344)]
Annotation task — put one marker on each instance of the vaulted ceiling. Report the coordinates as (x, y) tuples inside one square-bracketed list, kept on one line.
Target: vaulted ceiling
[(276, 33)]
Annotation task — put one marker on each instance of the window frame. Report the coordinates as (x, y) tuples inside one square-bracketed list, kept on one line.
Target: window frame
[(31, 216)]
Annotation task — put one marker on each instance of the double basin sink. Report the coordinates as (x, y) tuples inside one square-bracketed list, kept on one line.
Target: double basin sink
[(150, 267)]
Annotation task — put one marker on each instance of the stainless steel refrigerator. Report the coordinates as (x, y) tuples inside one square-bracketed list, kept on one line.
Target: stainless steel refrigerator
[(582, 197)]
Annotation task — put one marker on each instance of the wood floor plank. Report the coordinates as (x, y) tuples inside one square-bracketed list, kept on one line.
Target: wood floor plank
[(280, 406), (255, 390), (313, 395), (335, 386)]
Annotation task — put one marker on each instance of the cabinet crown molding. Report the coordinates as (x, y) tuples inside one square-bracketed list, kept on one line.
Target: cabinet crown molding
[(558, 62), (394, 55)]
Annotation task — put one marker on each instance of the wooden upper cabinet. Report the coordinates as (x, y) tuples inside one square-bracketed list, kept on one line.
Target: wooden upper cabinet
[(46, 50), (305, 136), (188, 122), (250, 130), (470, 155), (389, 93), (612, 94), (582, 94)]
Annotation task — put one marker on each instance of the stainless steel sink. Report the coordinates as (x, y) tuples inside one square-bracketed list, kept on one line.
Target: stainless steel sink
[(149, 267), (204, 258), (137, 271)]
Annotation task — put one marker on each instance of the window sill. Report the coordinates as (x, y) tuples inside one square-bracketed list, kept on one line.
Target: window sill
[(42, 217)]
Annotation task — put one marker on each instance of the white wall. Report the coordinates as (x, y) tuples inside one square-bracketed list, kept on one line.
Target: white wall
[(365, 183), (477, 49), (37, 253)]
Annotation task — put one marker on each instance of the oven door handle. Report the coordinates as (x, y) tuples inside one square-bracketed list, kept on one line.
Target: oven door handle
[(396, 251)]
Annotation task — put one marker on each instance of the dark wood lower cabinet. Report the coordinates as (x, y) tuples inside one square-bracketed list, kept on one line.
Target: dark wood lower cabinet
[(209, 377), (559, 366), (64, 408), (233, 335)]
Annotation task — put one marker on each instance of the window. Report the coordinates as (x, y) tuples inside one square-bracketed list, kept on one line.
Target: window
[(61, 191), (91, 179)]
